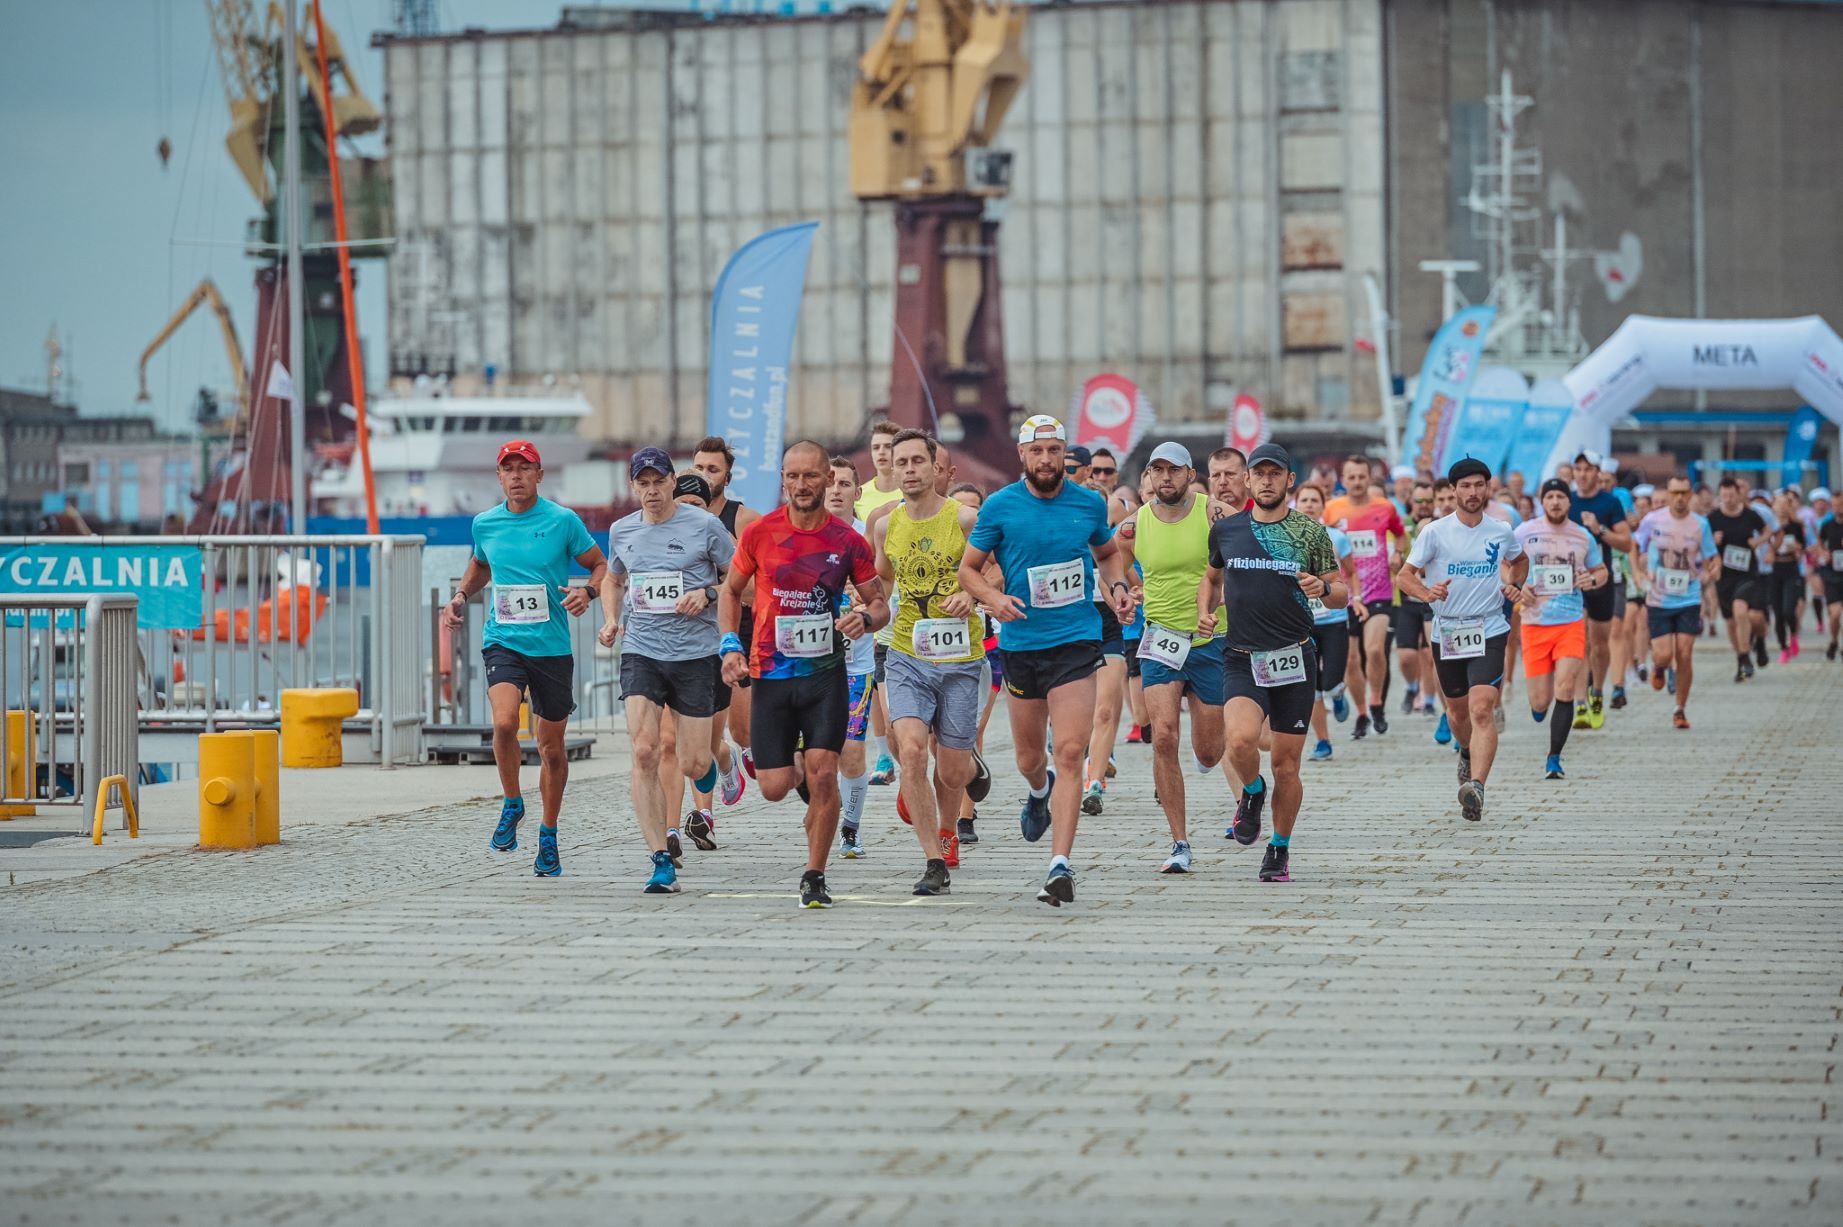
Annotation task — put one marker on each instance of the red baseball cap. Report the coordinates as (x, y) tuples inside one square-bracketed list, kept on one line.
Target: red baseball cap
[(519, 447)]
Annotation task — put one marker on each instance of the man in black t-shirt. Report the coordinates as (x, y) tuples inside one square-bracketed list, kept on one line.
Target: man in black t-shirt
[(1830, 571), (1738, 529)]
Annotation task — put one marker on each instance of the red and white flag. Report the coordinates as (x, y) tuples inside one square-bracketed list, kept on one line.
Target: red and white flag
[(1111, 411), (1247, 426)]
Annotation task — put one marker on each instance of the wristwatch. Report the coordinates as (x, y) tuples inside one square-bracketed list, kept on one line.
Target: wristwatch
[(710, 594)]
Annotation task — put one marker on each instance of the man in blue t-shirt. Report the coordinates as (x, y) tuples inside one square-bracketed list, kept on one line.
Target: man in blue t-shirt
[(523, 548), (1595, 507), (1049, 536)]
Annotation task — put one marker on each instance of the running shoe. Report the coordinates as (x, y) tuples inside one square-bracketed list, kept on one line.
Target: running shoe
[(1740, 674), (548, 863), (1378, 721), (885, 772), (1113, 768), (505, 835), (674, 848), (1340, 707), (950, 849), (813, 891), (1274, 866), (1581, 720), (1321, 752), (1618, 703), (1795, 648), (1409, 694), (1091, 800), (1179, 860), (1644, 673), (1465, 766), (1759, 652), (1058, 887), (748, 762), (1134, 736), (1680, 719), (1442, 732), (1247, 825), (1785, 656), (1670, 678), (1830, 653), (1553, 768), (665, 876), (1034, 820), (981, 783), (850, 846), (1362, 729), (1497, 716), (733, 787), (902, 809), (1746, 662), (1596, 712), (934, 880), (1658, 679), (703, 830), (1471, 800), (966, 832)]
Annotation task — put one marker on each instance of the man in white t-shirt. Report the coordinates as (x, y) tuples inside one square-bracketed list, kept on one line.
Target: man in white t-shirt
[(1476, 569)]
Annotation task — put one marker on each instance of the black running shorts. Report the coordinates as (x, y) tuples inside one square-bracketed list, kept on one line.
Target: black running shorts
[(787, 713), (1457, 677), (688, 687), (548, 680), (1031, 673), (1331, 640), (1600, 603), (1288, 708), (1411, 624)]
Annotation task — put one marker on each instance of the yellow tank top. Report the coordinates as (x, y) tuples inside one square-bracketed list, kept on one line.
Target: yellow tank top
[(869, 499), (1174, 557), (926, 557)]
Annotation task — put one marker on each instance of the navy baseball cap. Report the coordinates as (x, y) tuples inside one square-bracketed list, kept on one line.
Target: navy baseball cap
[(1081, 455), (649, 458), (1270, 453)]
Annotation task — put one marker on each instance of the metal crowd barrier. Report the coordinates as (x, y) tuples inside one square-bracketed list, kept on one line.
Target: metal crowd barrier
[(67, 688), (459, 699)]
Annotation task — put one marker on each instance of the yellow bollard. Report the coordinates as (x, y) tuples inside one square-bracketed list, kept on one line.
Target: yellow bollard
[(268, 819), (524, 721), (21, 763), (311, 719), (226, 790)]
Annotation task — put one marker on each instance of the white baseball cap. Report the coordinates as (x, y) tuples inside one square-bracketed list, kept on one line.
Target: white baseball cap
[(1643, 490), (1041, 426), (1609, 465), (1589, 455), (1400, 471), (1174, 454), (1822, 492)]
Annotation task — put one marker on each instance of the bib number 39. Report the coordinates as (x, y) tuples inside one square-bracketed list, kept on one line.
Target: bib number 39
[(1462, 640), (520, 604), (1056, 584), (942, 639), (803, 635), (1164, 647), (1552, 579), (1280, 667)]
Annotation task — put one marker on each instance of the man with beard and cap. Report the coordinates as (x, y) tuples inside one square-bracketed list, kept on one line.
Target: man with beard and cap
[(1048, 536), (1283, 561), (1467, 565)]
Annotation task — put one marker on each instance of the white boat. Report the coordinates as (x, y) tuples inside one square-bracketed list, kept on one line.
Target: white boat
[(433, 454)]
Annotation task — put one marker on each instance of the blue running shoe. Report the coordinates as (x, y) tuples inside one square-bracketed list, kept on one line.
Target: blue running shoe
[(505, 835), (1553, 767), (1059, 887), (1035, 820), (1321, 752), (549, 864), (1443, 733), (665, 878), (1340, 708)]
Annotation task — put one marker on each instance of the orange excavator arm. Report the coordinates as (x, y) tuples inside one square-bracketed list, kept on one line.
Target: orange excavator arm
[(207, 291)]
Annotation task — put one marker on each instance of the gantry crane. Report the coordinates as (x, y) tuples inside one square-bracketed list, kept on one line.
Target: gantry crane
[(207, 292), (932, 91)]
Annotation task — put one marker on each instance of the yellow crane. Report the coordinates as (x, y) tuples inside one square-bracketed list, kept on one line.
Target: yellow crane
[(207, 292)]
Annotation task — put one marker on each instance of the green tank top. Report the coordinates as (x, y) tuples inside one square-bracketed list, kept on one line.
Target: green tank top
[(926, 557), (1173, 557)]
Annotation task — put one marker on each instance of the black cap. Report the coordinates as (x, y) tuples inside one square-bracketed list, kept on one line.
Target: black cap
[(1081, 455), (1270, 453), (1553, 484), (692, 483), (1468, 467)]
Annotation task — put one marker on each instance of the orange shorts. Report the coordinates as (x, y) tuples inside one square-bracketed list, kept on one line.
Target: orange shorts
[(1544, 645)]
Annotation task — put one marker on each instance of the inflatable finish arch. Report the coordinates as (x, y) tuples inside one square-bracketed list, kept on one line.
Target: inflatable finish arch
[(1648, 353)]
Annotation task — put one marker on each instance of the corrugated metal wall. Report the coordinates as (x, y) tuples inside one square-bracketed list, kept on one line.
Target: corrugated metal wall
[(1198, 191)]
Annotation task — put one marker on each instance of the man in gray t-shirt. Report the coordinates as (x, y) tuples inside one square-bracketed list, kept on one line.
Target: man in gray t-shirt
[(685, 554)]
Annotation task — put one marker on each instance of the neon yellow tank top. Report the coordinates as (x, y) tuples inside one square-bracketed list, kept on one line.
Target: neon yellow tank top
[(1173, 557), (869, 499), (926, 556)]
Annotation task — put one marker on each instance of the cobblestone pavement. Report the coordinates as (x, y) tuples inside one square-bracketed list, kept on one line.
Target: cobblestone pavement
[(1616, 1000)]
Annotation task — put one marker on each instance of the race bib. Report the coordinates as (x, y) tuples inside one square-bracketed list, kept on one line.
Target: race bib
[(1163, 646), (1737, 558), (1672, 583), (520, 604), (1363, 543), (1836, 560), (1552, 579), (1056, 584), (1320, 611), (942, 639), (1280, 667), (657, 592), (803, 635), (1462, 640)]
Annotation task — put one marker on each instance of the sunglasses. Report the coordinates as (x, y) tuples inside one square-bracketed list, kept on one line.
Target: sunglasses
[(1100, 472), (1071, 469)]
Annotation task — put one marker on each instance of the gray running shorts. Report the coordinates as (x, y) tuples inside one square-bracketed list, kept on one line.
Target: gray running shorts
[(944, 697)]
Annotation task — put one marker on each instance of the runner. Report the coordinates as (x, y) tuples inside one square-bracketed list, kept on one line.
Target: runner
[(1330, 627), (664, 562), (1817, 511), (1282, 562), (1564, 563), (1738, 530), (1596, 509), (1411, 618), (714, 461), (1110, 678), (1228, 481), (1830, 563), (1169, 536), (1371, 523), (860, 669), (1047, 535), (1479, 567), (936, 665), (1678, 556), (524, 547), (1787, 578), (1637, 632), (799, 558), (883, 491), (966, 830)]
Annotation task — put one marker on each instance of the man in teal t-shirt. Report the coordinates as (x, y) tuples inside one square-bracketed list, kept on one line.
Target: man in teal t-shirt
[(524, 548)]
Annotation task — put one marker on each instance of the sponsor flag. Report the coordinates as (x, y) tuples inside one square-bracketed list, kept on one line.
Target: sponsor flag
[(1247, 428), (753, 313), (1446, 375), (1111, 411), (1800, 442)]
